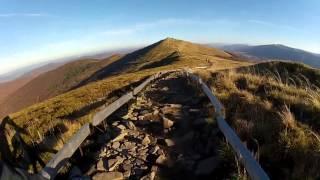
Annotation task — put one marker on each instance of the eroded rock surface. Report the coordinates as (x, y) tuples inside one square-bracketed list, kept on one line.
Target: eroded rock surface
[(165, 132)]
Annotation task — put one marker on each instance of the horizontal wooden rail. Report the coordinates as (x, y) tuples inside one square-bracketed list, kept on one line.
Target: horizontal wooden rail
[(54, 165), (59, 159), (104, 113), (143, 85), (252, 166)]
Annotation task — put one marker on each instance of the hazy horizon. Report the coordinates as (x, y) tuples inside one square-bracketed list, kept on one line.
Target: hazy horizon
[(36, 31), (29, 67)]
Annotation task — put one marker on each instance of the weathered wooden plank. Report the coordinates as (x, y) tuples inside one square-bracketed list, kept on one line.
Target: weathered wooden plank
[(194, 77), (143, 85), (104, 113), (252, 166), (59, 159), (218, 106)]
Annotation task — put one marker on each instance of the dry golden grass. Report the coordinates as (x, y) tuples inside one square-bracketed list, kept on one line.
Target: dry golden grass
[(274, 113), (52, 122)]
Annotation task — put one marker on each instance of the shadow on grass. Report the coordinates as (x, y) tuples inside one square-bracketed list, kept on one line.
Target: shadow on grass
[(17, 153)]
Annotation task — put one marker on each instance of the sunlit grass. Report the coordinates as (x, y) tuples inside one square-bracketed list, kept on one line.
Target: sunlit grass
[(277, 108)]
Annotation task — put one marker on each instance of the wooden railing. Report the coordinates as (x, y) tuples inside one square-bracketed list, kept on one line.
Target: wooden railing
[(59, 159), (252, 166)]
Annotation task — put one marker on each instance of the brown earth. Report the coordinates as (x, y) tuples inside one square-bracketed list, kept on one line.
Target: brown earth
[(167, 133)]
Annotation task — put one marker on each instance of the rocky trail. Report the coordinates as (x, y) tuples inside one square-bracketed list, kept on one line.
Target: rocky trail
[(167, 132)]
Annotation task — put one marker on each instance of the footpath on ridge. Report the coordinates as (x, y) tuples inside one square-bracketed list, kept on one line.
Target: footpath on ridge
[(167, 132)]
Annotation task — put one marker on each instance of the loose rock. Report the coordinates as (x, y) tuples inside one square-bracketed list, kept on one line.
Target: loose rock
[(167, 123), (108, 176), (144, 112), (161, 160), (153, 150), (129, 145), (169, 142), (146, 140), (131, 125), (120, 137), (127, 167), (122, 127), (149, 176), (113, 163), (100, 165), (115, 145)]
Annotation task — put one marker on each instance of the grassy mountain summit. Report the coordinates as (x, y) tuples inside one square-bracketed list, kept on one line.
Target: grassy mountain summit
[(51, 122), (273, 106), (165, 52)]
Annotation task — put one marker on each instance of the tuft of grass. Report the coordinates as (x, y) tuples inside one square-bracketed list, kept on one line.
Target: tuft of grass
[(287, 118), (257, 100)]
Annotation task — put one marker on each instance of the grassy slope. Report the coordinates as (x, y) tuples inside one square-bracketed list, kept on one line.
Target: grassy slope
[(7, 88), (273, 107), (52, 83), (52, 122), (166, 52)]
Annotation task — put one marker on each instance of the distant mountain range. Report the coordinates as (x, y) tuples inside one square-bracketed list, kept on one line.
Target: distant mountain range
[(77, 73), (41, 86), (24, 71), (272, 51), (8, 87), (51, 80), (38, 67)]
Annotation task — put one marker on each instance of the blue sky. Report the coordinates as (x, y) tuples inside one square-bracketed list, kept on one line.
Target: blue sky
[(32, 31)]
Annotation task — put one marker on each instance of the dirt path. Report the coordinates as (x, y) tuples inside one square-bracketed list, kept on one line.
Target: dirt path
[(167, 132)]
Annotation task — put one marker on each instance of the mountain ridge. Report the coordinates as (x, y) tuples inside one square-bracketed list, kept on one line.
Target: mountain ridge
[(9, 87), (52, 83), (272, 106), (160, 53), (275, 51)]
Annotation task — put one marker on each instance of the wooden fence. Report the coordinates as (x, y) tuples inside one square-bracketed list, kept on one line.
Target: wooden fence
[(59, 159), (252, 166)]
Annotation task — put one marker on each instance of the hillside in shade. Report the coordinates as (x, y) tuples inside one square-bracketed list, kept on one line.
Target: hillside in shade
[(7, 88), (51, 83)]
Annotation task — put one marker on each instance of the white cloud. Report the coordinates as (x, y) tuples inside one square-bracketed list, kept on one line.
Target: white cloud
[(270, 24), (9, 15), (174, 22), (261, 22), (119, 32), (142, 26)]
